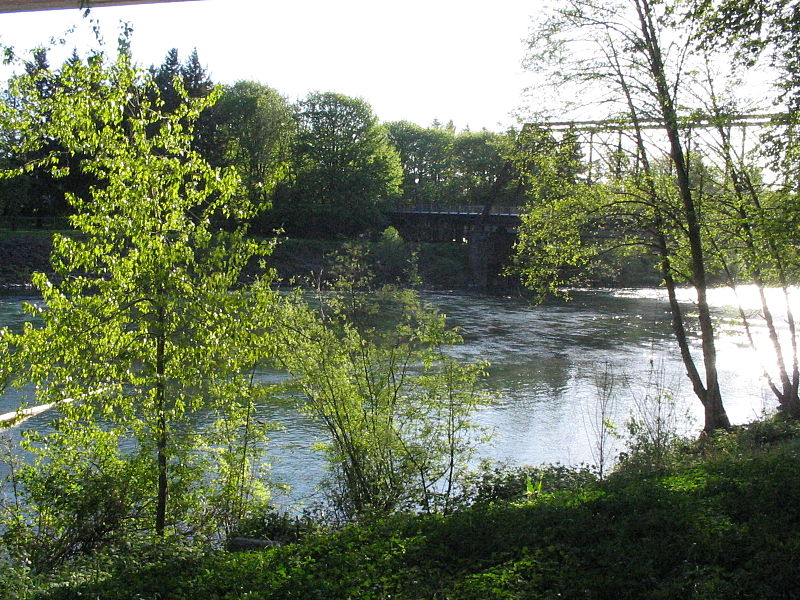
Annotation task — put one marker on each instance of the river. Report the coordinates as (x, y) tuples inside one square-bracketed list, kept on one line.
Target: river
[(544, 362)]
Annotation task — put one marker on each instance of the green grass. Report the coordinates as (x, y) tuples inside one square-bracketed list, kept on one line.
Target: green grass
[(722, 520)]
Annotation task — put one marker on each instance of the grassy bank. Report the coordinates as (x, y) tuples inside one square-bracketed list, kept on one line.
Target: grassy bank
[(715, 519)]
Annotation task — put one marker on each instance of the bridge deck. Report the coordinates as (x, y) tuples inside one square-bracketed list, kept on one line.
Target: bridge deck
[(466, 210)]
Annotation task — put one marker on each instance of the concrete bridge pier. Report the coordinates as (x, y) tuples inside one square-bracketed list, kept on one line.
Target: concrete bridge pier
[(489, 235), (479, 250), (490, 250)]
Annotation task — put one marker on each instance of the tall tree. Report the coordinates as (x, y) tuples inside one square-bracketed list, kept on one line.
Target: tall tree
[(195, 77), (146, 322), (426, 159), (761, 217), (482, 171), (759, 213), (253, 131), (755, 232), (192, 74), (195, 82), (164, 77), (754, 28), (642, 64), (344, 169)]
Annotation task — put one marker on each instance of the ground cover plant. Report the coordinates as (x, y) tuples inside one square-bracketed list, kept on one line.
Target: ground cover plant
[(716, 521)]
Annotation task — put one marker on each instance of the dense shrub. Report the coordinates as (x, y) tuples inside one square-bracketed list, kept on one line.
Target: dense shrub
[(501, 482), (280, 527)]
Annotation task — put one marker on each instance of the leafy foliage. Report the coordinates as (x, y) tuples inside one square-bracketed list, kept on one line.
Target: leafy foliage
[(146, 323), (253, 131), (498, 482), (344, 169), (441, 166), (552, 250), (712, 528), (754, 28), (425, 155), (644, 193), (373, 369)]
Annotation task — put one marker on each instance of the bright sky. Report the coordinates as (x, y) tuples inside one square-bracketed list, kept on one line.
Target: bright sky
[(417, 60)]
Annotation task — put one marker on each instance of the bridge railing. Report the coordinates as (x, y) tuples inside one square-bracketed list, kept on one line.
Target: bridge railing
[(456, 209)]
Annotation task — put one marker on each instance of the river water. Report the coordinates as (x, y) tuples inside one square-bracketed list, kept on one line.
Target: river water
[(544, 367)]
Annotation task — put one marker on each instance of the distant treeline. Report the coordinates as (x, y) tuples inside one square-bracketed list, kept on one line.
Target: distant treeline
[(325, 166)]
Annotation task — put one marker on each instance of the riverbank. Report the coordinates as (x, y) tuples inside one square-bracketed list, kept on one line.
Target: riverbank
[(712, 519), (438, 266), (22, 254)]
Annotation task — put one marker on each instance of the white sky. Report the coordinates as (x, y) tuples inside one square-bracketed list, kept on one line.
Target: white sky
[(417, 60)]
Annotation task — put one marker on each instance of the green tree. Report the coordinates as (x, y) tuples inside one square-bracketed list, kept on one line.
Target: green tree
[(754, 28), (194, 82), (147, 322), (426, 160), (482, 173), (468, 168), (164, 77), (754, 236), (761, 217), (344, 169), (553, 250), (37, 194), (647, 83), (253, 132), (193, 76)]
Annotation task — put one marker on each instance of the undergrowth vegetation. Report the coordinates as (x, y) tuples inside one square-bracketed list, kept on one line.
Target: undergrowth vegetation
[(717, 518)]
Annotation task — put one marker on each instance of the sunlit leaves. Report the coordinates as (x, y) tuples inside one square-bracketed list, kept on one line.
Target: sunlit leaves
[(398, 411), (147, 322)]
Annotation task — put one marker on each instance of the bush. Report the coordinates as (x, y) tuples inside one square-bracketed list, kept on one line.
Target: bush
[(16, 581), (395, 261), (754, 436), (280, 527), (496, 482), (716, 529), (397, 409), (444, 265), (78, 496)]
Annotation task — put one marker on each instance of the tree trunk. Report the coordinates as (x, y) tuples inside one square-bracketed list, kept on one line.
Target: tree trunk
[(161, 441), (678, 328), (715, 416)]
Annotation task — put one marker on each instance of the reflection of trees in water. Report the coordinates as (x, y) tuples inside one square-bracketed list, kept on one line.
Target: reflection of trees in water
[(611, 322), (545, 378)]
